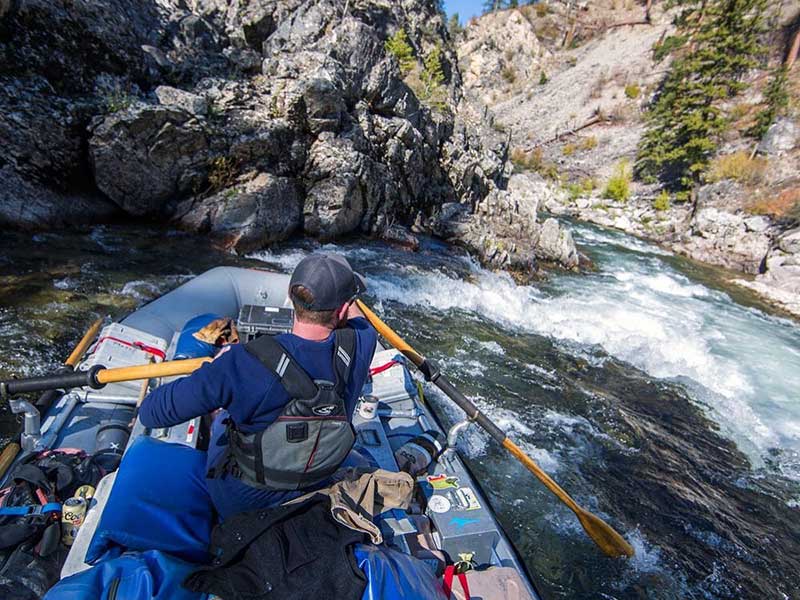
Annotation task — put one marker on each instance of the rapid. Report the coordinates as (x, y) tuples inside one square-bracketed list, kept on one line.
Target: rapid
[(660, 397)]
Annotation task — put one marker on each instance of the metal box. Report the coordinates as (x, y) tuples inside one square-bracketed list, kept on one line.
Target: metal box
[(255, 320)]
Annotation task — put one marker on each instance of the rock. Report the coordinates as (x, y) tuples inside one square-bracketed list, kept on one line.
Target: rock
[(5, 6), (181, 100), (400, 236), (789, 242), (782, 136), (555, 244), (29, 206), (146, 155), (260, 210), (757, 224), (623, 223), (497, 43)]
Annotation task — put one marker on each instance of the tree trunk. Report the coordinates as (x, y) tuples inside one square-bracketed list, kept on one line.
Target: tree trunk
[(793, 51)]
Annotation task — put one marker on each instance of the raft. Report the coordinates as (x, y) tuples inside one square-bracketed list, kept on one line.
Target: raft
[(448, 498)]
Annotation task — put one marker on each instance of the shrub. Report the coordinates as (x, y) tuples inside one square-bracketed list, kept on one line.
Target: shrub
[(398, 46), (509, 74), (668, 46), (542, 9), (222, 173), (632, 91), (588, 143), (543, 78), (661, 201), (737, 166), (117, 100), (568, 149), (619, 185), (534, 161), (582, 188)]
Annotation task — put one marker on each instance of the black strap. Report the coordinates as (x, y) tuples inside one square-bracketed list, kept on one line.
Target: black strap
[(290, 375)]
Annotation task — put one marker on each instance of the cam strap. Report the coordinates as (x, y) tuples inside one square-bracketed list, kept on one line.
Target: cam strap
[(30, 510), (447, 583)]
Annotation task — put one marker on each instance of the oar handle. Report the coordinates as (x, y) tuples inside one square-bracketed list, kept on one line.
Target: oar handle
[(86, 340), (98, 376)]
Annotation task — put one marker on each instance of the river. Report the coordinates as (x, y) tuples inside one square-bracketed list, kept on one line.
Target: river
[(661, 398)]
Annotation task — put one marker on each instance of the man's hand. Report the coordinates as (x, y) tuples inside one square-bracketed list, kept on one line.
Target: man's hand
[(353, 311)]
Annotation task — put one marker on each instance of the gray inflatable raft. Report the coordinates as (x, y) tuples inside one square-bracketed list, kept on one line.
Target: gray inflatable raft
[(451, 513)]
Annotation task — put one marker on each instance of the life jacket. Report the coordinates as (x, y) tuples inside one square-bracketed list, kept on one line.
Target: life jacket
[(311, 437)]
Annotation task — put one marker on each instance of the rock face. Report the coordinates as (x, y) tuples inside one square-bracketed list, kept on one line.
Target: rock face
[(253, 121), (497, 49)]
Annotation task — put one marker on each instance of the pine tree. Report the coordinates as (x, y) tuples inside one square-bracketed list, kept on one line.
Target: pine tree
[(776, 97), (454, 26), (398, 46), (492, 6), (432, 77), (685, 122)]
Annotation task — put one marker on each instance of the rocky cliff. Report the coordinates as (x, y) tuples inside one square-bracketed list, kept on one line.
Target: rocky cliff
[(253, 121), (570, 85)]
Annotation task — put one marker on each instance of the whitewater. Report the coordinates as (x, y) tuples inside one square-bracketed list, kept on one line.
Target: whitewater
[(740, 364)]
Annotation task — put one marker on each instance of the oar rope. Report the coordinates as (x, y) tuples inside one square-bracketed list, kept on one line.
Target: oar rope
[(609, 541)]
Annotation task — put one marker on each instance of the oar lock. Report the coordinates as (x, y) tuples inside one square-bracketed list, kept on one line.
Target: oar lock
[(452, 438)]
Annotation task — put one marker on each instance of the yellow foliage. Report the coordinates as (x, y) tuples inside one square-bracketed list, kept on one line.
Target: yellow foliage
[(737, 166)]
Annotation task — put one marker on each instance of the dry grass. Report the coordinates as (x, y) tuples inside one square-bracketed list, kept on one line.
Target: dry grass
[(784, 204), (588, 143), (737, 166), (222, 172), (534, 161)]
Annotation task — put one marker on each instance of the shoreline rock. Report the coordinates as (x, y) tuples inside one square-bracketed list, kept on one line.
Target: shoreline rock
[(253, 123)]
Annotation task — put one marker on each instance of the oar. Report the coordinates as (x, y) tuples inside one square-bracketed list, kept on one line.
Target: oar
[(47, 399), (610, 542), (98, 376)]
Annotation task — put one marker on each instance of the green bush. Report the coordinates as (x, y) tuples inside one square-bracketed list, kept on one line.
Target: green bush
[(619, 185), (543, 78), (632, 91), (661, 201), (579, 189)]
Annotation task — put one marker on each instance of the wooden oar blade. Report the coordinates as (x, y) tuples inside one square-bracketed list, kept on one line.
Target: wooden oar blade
[(609, 541)]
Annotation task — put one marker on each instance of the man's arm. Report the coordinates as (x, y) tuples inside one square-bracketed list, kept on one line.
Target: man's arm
[(198, 394)]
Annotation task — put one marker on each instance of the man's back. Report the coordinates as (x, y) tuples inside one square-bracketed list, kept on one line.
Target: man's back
[(251, 396)]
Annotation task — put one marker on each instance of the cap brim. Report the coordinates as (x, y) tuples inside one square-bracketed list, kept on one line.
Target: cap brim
[(361, 283)]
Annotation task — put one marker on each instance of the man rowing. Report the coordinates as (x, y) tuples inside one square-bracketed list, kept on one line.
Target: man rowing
[(286, 401)]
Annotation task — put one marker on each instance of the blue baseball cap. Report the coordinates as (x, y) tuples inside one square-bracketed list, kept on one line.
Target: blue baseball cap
[(329, 278)]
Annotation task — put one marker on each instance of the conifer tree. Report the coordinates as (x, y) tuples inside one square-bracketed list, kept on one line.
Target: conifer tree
[(492, 5), (398, 46), (454, 26), (685, 122), (776, 97)]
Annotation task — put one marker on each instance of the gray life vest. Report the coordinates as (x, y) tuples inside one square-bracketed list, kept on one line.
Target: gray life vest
[(313, 434)]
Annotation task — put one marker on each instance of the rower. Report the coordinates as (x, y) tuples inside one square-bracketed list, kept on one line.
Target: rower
[(286, 401)]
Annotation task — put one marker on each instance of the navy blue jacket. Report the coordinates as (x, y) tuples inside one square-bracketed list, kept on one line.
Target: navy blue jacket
[(249, 393)]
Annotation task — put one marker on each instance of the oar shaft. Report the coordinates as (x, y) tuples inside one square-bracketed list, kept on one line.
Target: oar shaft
[(82, 346), (164, 369)]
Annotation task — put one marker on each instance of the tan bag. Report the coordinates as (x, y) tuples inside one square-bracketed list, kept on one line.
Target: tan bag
[(494, 583)]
